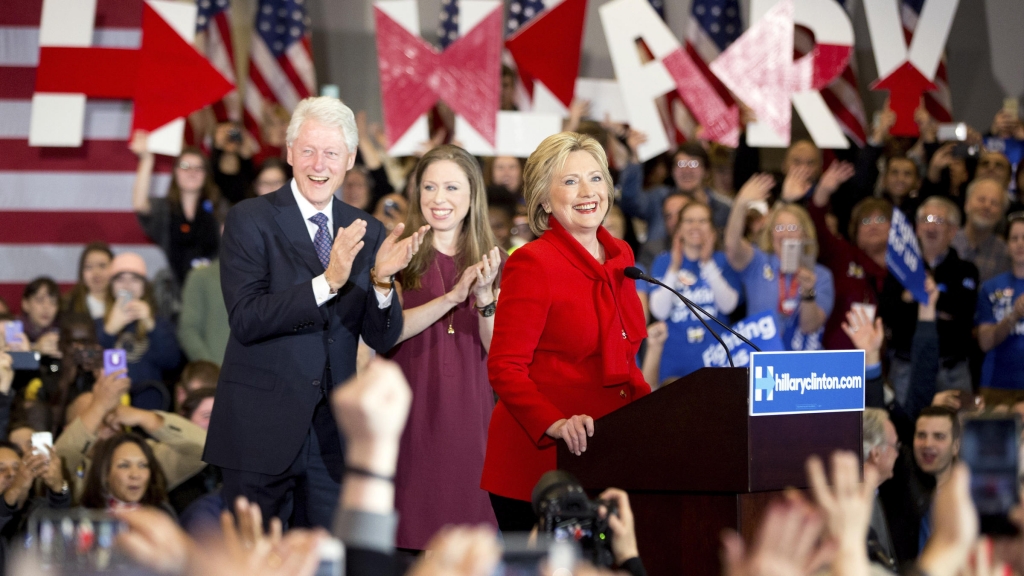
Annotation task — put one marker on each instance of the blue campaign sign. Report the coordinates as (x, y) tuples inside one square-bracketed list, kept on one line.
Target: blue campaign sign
[(759, 329), (806, 382), (904, 256)]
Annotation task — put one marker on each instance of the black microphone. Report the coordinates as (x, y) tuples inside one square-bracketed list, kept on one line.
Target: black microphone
[(638, 274)]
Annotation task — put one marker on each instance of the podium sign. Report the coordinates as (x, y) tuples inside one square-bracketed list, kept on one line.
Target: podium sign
[(806, 382)]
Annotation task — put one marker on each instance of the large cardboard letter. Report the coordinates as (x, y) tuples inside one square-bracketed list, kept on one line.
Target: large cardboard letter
[(905, 72)]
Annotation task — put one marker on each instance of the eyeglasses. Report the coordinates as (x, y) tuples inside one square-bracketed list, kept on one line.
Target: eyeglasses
[(692, 221), (874, 220), (988, 162), (275, 184), (688, 164), (787, 227), (193, 167), (932, 219)]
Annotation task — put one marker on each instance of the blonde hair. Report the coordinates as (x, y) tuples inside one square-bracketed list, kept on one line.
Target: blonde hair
[(806, 227), (546, 160), (475, 238)]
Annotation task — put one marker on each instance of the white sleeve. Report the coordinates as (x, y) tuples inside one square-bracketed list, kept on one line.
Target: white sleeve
[(726, 297)]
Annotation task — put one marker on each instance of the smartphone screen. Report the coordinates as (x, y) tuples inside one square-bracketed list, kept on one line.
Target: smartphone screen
[(1011, 107), (990, 449), (789, 260), (13, 330), (42, 442), (114, 360)]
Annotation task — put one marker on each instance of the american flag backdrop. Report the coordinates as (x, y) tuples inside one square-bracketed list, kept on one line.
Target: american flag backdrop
[(213, 33), (448, 23), (712, 26), (55, 200), (940, 102), (280, 60), (843, 95)]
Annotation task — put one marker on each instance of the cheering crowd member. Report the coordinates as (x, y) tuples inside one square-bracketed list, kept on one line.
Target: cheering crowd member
[(703, 275), (569, 328), (443, 349), (304, 277)]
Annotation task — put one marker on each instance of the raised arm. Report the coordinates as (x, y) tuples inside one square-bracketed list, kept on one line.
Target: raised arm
[(738, 250), (143, 173)]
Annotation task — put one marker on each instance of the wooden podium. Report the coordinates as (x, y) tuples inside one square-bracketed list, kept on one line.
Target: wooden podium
[(694, 462)]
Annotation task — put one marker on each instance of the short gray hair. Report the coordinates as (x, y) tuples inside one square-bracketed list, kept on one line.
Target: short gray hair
[(874, 429), (974, 183), (329, 112), (952, 210)]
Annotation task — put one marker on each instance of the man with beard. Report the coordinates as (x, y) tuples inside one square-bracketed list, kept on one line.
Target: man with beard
[(977, 242)]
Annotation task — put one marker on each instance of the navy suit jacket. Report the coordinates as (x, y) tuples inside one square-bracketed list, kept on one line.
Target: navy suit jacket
[(280, 339)]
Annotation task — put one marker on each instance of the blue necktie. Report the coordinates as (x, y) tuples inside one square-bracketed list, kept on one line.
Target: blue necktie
[(322, 240)]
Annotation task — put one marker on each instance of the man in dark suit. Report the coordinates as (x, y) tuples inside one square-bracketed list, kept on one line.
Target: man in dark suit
[(304, 276)]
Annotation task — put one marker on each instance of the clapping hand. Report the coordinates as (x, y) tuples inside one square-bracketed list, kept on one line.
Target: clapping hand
[(486, 275), (788, 543), (394, 254)]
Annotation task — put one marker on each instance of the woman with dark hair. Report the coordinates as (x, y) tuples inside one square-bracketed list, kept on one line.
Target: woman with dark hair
[(39, 310), (124, 475), (272, 175), (131, 324), (89, 296), (182, 224), (448, 299)]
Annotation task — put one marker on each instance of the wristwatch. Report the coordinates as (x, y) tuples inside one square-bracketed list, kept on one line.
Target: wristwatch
[(810, 295), (489, 310), (387, 285)]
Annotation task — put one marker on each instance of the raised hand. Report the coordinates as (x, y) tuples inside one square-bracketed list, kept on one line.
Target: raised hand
[(834, 176), (788, 543), (797, 182), (755, 189), (864, 334), (459, 551), (371, 409)]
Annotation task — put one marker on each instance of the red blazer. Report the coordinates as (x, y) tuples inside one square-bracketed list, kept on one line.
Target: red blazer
[(566, 336)]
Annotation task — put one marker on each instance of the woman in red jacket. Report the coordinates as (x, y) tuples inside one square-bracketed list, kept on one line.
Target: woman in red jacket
[(567, 330)]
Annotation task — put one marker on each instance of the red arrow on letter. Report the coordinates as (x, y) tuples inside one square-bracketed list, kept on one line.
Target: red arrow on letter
[(906, 85), (166, 77)]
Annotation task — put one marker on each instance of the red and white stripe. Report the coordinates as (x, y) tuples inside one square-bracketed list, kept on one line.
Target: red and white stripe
[(702, 50), (842, 96), (284, 80), (216, 39), (938, 102), (55, 200)]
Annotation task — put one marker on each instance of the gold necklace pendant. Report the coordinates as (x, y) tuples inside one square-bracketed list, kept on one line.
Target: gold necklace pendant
[(451, 330)]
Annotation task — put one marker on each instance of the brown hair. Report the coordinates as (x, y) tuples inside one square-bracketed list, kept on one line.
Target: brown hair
[(863, 209), (540, 170), (75, 299), (209, 191), (476, 237), (97, 479)]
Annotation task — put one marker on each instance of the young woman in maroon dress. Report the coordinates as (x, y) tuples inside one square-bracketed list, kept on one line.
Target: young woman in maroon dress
[(448, 296)]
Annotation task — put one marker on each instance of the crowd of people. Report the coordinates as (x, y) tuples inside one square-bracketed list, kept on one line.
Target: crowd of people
[(290, 267)]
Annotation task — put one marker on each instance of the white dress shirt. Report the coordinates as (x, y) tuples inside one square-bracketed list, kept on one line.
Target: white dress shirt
[(321, 289)]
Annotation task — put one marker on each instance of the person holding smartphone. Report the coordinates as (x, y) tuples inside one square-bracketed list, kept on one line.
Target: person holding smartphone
[(791, 284), (131, 323)]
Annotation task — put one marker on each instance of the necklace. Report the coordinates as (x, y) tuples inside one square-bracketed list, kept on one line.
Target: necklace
[(451, 313)]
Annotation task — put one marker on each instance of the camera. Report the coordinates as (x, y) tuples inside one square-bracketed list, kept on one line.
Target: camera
[(565, 513)]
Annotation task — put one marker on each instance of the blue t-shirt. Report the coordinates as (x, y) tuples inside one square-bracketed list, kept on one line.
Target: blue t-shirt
[(761, 287), (1004, 364), (687, 337)]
